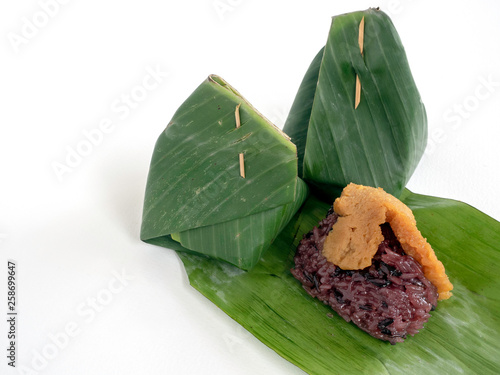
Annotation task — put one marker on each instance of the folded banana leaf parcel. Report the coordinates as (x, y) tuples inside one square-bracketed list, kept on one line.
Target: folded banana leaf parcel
[(223, 180), (230, 193)]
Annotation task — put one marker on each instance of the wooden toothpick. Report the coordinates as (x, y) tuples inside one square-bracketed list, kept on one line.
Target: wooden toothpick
[(237, 115), (361, 36), (241, 156), (242, 165)]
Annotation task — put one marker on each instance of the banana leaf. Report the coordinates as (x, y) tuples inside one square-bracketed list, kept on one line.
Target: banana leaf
[(462, 335), (251, 234), (381, 141), (196, 199)]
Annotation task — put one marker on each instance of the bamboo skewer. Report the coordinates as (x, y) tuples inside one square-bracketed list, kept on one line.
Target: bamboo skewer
[(242, 165), (361, 36), (241, 156), (237, 116)]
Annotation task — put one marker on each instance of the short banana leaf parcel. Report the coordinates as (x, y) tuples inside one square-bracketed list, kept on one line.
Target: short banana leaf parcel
[(461, 337), (196, 199)]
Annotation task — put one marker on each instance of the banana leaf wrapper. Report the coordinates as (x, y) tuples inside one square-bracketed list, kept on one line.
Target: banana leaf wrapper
[(461, 336), (380, 142), (196, 200)]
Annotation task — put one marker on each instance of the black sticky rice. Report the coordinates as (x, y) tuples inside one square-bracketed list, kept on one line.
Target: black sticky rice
[(390, 299)]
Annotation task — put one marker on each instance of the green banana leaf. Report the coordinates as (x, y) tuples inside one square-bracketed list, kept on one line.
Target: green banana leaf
[(195, 197), (381, 141), (462, 335), (242, 241)]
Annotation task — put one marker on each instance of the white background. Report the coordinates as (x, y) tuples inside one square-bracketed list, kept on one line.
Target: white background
[(70, 238)]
